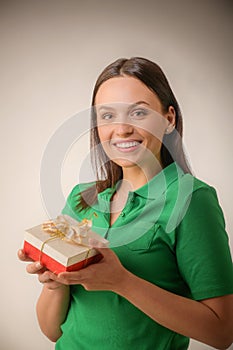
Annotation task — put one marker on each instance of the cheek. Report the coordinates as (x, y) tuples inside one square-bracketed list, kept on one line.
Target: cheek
[(155, 130), (153, 142), (104, 133), (104, 136)]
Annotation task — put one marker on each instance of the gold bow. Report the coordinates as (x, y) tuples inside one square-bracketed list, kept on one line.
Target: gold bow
[(67, 229)]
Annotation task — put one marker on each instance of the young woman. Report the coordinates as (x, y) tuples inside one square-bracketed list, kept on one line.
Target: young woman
[(168, 276)]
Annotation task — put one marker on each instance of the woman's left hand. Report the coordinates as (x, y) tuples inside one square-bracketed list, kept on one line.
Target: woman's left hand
[(107, 274)]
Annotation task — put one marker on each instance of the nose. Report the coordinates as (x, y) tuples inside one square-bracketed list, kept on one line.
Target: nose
[(123, 129)]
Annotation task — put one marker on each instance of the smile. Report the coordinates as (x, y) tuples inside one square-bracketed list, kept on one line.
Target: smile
[(127, 145)]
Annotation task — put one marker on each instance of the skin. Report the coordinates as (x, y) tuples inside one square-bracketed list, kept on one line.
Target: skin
[(138, 117), (209, 321), (126, 121)]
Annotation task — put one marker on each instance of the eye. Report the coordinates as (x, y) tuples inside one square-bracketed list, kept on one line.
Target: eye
[(106, 116), (138, 113)]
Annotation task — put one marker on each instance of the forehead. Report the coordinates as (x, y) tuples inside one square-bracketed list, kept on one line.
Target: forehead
[(125, 90)]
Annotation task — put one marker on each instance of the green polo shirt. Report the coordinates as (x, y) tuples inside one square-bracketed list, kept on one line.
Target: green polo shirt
[(171, 233)]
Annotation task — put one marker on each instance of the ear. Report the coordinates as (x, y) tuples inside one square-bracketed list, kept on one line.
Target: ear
[(171, 118)]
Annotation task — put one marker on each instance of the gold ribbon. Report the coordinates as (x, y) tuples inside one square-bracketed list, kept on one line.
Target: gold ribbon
[(68, 230)]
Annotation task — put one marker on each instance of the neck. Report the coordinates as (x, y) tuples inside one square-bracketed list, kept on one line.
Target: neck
[(133, 178), (136, 177)]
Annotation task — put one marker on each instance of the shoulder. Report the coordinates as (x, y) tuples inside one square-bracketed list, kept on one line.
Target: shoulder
[(191, 199), (74, 198), (202, 204), (200, 191), (187, 185), (197, 183), (79, 188)]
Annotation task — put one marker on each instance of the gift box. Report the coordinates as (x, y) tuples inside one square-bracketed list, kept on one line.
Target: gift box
[(62, 244)]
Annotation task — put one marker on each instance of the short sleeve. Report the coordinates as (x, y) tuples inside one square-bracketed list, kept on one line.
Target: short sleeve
[(203, 252), (71, 203), (73, 200)]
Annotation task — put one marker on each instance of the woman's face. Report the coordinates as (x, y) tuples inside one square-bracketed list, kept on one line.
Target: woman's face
[(131, 122)]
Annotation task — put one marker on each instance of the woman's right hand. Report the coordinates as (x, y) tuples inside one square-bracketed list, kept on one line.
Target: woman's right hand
[(48, 278)]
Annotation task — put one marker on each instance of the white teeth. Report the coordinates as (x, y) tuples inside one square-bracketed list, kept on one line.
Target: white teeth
[(127, 144)]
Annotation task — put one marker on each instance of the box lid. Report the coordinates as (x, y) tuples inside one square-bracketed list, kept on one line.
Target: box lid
[(62, 251)]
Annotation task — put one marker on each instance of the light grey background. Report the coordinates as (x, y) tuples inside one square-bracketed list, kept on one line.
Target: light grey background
[(51, 54)]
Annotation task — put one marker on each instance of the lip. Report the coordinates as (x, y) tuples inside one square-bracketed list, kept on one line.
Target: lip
[(126, 145)]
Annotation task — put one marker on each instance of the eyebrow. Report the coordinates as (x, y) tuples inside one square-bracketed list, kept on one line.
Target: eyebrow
[(131, 105), (140, 103)]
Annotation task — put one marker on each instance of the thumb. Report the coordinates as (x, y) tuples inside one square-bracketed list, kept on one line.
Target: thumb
[(101, 247), (94, 243)]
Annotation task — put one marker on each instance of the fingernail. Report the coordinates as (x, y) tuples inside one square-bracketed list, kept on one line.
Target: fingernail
[(38, 265), (93, 242)]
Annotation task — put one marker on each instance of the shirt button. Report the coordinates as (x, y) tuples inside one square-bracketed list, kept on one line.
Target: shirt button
[(122, 214)]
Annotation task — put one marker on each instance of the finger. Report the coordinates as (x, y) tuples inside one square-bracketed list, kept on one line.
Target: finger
[(35, 267), (107, 253), (74, 277), (101, 248), (22, 256), (95, 243), (70, 275), (69, 281), (47, 277)]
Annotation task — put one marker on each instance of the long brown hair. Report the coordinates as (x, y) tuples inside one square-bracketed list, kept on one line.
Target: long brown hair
[(109, 173)]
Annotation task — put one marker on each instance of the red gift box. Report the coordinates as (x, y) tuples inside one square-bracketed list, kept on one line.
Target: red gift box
[(58, 254)]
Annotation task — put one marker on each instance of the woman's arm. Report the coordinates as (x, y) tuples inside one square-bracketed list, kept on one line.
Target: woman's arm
[(53, 303), (52, 309), (209, 321)]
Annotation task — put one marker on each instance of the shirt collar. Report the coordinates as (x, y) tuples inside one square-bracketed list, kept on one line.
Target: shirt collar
[(104, 199), (160, 182), (153, 188)]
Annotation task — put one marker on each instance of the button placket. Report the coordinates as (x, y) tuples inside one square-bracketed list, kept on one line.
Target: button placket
[(128, 206)]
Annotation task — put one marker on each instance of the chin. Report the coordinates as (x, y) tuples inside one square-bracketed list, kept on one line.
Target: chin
[(128, 163)]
